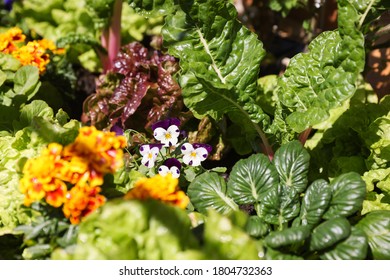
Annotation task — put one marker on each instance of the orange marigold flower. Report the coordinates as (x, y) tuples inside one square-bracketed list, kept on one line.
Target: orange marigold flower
[(10, 39), (81, 201), (33, 54), (104, 149), (163, 188)]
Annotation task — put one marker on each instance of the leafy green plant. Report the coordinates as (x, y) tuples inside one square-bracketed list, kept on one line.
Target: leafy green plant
[(291, 216)]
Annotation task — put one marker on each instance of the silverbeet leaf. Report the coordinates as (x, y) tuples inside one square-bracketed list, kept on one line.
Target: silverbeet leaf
[(323, 78), (219, 59)]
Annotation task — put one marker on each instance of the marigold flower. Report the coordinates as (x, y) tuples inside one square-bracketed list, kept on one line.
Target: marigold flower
[(81, 201), (103, 149), (33, 54), (163, 188), (10, 39)]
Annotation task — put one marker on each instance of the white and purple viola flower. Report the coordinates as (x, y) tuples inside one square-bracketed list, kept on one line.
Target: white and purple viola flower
[(171, 166), (194, 154), (149, 154), (167, 131)]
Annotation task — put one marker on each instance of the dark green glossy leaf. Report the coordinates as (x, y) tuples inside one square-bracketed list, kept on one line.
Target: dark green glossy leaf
[(353, 248), (251, 179), (329, 233), (289, 236), (348, 192), (292, 163), (376, 225), (278, 207), (272, 254), (315, 202), (208, 190), (325, 77), (256, 227)]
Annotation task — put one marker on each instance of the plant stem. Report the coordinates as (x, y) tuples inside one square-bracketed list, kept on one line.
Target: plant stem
[(304, 135), (114, 33), (365, 13)]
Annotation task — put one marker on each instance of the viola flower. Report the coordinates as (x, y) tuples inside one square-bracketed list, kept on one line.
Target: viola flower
[(171, 166), (195, 153), (149, 154), (167, 131), (162, 188)]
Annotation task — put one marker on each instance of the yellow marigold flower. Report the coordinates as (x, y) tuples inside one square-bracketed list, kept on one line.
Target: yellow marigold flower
[(49, 45), (10, 39), (33, 54), (81, 201), (163, 188), (103, 149)]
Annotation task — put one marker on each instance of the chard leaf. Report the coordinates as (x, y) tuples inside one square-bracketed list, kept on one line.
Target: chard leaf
[(289, 236), (315, 202), (220, 61), (329, 233), (348, 193), (292, 163), (355, 247), (323, 78), (251, 179), (208, 190), (152, 7), (376, 225)]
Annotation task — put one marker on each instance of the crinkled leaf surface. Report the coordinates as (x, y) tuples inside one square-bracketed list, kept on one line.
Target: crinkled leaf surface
[(348, 192), (251, 179), (323, 78), (220, 61), (208, 190), (376, 225)]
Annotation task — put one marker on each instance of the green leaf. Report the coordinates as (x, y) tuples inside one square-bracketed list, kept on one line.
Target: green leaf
[(256, 227), (26, 81), (329, 233), (353, 248), (376, 225), (348, 192), (225, 240), (292, 163), (220, 61), (251, 179), (289, 236), (208, 190), (315, 202), (152, 7), (326, 76)]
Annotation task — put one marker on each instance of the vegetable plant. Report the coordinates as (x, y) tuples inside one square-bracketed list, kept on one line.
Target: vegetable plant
[(183, 148)]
